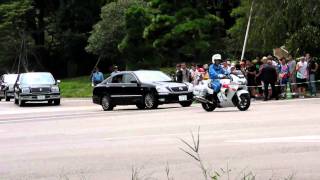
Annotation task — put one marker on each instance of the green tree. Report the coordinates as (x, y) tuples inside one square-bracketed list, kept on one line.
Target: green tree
[(137, 50), (51, 35), (67, 33), (13, 26), (276, 23), (108, 33), (184, 30)]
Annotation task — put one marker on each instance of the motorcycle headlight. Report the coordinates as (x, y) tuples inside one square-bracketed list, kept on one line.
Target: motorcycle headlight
[(25, 90), (162, 89), (55, 89)]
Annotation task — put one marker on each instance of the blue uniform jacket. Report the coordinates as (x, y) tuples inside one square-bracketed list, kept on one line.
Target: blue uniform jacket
[(214, 72)]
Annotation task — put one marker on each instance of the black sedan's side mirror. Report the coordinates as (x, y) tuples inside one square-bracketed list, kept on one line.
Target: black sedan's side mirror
[(134, 82)]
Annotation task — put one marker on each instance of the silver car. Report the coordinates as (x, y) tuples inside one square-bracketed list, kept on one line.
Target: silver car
[(7, 82)]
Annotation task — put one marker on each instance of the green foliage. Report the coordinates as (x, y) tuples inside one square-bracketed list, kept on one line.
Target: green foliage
[(14, 14), (276, 23), (138, 52), (184, 30), (76, 87), (54, 33), (13, 21), (110, 30)]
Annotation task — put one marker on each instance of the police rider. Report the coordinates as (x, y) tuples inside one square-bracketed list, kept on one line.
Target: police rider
[(216, 73)]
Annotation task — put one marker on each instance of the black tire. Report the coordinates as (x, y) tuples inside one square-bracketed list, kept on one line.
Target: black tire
[(21, 103), (16, 101), (208, 107), (141, 106), (150, 101), (50, 102), (6, 97), (244, 104), (106, 103), (56, 102), (185, 103)]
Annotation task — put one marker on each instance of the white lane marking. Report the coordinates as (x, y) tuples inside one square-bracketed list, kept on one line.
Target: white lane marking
[(31, 110), (294, 139)]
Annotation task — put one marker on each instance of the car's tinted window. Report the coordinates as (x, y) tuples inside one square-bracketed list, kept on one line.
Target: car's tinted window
[(106, 81), (117, 79), (128, 78), (152, 76)]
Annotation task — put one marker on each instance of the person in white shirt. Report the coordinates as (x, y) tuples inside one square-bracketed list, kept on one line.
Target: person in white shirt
[(226, 67), (302, 76)]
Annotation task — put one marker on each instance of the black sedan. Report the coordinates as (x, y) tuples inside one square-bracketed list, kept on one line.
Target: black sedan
[(6, 86), (36, 86), (145, 89)]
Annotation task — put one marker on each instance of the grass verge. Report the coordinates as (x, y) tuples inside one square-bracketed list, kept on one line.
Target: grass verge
[(76, 87)]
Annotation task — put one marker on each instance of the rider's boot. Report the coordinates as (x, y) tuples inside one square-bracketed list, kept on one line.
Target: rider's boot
[(215, 97)]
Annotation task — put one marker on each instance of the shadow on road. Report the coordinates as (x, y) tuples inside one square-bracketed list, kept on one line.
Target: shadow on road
[(223, 111), (38, 104), (136, 109)]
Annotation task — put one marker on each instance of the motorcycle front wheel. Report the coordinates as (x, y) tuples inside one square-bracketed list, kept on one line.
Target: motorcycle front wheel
[(244, 104), (208, 107)]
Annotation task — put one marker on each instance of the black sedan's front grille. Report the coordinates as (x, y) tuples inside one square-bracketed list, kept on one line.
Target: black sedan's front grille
[(179, 89), (40, 90)]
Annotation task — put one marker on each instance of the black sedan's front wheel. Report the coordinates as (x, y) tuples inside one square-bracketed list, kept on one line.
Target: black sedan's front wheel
[(141, 106), (106, 103), (185, 103), (150, 101), (56, 102)]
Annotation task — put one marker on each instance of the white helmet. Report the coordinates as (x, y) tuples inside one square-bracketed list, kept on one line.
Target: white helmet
[(216, 57)]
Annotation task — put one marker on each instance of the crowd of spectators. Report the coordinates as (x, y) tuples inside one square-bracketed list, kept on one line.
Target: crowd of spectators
[(268, 77)]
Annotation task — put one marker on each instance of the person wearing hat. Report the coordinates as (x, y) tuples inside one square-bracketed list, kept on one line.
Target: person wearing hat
[(115, 70), (216, 73)]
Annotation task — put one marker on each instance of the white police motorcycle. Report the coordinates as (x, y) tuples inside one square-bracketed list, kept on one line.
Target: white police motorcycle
[(234, 92)]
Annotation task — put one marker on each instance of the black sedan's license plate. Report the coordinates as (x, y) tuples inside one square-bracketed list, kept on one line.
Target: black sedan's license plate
[(183, 98), (41, 97)]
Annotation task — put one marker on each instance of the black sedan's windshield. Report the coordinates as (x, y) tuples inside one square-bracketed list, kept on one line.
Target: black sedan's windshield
[(152, 76), (36, 78)]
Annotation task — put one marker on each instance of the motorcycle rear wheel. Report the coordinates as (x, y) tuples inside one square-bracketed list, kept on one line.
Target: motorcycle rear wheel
[(208, 107)]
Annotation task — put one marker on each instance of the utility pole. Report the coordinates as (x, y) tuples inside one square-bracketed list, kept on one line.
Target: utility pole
[(247, 32)]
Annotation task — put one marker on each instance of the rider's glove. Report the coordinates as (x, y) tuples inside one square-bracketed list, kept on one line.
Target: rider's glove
[(220, 75)]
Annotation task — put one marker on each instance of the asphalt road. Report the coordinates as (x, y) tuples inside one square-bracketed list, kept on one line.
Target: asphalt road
[(78, 140)]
